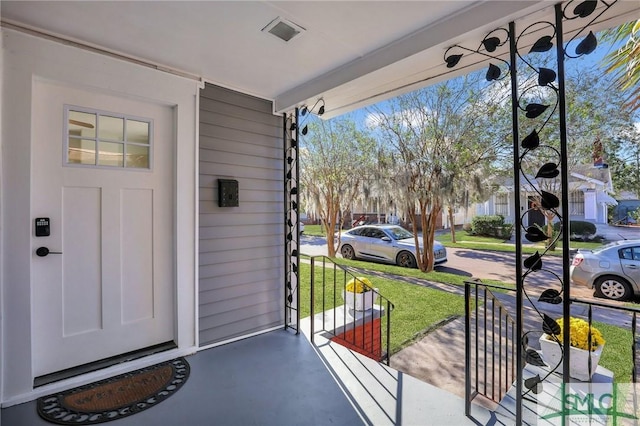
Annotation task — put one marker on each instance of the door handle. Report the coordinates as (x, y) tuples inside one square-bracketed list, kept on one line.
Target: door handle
[(43, 251)]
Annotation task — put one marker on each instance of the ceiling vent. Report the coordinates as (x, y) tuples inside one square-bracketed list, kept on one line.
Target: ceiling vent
[(283, 29)]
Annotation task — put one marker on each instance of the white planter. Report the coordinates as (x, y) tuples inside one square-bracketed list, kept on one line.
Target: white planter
[(359, 301), (579, 358)]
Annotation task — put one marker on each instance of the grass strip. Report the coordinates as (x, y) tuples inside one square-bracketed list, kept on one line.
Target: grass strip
[(416, 308)]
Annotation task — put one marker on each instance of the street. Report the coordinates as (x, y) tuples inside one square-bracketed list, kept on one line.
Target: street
[(492, 265)]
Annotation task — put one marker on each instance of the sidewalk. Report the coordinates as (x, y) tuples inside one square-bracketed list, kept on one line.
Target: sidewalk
[(438, 357)]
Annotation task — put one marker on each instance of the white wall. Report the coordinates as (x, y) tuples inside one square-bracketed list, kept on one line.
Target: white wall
[(590, 206), (27, 58)]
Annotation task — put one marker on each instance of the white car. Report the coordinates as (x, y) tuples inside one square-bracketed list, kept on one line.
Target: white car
[(613, 269), (385, 243)]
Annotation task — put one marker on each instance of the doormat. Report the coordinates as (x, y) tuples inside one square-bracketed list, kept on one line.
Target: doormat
[(116, 397)]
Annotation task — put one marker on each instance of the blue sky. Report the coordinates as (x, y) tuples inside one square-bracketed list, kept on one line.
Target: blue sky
[(595, 59)]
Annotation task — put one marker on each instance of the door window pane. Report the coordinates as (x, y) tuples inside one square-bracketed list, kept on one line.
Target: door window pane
[(111, 128), (111, 154), (82, 124), (81, 151), (107, 139), (137, 131), (137, 156)]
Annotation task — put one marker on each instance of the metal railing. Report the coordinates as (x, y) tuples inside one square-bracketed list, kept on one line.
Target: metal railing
[(489, 344), (490, 339), (367, 332), (624, 313)]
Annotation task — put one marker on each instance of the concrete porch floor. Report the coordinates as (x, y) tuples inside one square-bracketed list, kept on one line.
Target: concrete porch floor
[(279, 378)]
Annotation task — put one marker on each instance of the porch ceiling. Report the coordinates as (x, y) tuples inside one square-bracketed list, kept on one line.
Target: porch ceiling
[(352, 53)]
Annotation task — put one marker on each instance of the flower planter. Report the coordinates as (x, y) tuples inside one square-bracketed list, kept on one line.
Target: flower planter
[(579, 358), (359, 301)]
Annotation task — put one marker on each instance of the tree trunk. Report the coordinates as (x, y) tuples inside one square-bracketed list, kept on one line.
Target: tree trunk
[(428, 233), (452, 225), (329, 223)]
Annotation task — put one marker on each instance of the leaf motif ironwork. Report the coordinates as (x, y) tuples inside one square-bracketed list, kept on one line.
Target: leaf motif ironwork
[(533, 262), (551, 296), (533, 357), (491, 43), (531, 141), (493, 73), (543, 44), (550, 326), (535, 235), (453, 60), (535, 110), (546, 76), (534, 384), (585, 8), (548, 171), (587, 45), (549, 201)]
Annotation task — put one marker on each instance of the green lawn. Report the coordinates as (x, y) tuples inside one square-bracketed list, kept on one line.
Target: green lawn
[(416, 308), (465, 240), (314, 230), (616, 355)]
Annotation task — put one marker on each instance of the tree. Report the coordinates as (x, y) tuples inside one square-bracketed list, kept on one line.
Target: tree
[(624, 63), (596, 111), (333, 158), (436, 140)]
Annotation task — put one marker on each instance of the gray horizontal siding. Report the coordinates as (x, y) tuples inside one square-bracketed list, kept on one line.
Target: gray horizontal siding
[(241, 249)]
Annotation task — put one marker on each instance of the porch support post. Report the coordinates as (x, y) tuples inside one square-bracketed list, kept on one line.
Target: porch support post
[(518, 229), (564, 180), (291, 198)]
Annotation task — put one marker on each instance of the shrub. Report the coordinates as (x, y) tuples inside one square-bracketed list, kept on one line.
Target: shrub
[(491, 226), (578, 228)]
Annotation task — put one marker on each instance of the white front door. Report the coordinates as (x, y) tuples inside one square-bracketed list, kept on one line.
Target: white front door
[(111, 290)]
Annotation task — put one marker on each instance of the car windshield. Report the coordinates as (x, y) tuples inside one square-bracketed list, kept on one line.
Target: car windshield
[(399, 233)]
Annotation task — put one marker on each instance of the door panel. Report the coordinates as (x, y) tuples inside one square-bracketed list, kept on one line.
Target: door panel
[(111, 291), (81, 260)]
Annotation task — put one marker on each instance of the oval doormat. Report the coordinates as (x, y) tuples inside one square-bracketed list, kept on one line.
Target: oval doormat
[(116, 397)]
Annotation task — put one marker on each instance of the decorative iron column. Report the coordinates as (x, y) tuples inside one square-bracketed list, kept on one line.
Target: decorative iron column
[(291, 223), (294, 127), (537, 95)]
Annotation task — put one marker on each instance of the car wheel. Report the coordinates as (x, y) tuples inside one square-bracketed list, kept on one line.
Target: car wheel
[(612, 287), (347, 252), (406, 260)]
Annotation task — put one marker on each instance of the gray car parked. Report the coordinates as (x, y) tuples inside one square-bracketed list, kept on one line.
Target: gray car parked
[(385, 243), (613, 269)]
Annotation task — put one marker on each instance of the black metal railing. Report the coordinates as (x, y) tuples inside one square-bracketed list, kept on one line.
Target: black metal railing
[(366, 331), (489, 344), (603, 314), (490, 339)]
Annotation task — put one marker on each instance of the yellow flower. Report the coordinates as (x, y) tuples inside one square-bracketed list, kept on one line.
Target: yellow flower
[(359, 285), (579, 334)]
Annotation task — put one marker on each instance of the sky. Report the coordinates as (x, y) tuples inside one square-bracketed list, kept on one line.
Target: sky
[(594, 59)]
